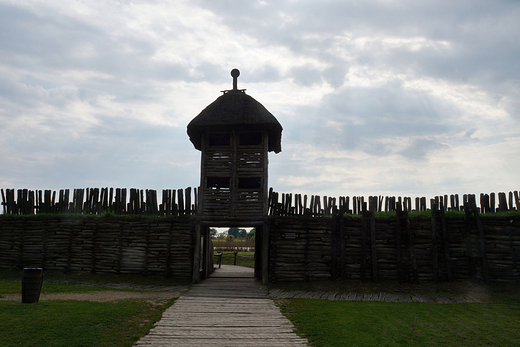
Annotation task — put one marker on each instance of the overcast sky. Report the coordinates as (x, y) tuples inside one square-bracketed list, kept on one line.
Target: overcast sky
[(404, 98)]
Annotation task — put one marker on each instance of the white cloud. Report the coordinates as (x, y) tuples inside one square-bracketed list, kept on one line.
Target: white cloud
[(375, 97)]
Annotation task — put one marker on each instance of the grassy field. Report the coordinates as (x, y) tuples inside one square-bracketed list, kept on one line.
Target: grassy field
[(494, 322), (243, 258), (78, 323), (340, 323)]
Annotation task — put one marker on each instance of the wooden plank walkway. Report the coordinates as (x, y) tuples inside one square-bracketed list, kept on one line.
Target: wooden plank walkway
[(335, 296), (230, 308)]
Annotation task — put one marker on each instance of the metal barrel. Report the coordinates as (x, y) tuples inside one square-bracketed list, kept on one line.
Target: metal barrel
[(32, 280)]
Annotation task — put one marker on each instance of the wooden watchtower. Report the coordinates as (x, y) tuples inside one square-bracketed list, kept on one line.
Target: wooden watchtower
[(234, 134)]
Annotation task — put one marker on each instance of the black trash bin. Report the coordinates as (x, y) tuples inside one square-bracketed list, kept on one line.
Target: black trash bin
[(32, 280)]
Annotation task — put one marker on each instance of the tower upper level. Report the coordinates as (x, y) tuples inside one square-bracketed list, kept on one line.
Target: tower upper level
[(235, 110)]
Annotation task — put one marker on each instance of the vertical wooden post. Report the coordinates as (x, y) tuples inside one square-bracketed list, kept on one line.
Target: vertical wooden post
[(446, 244), (411, 248), (196, 254), (375, 272), (342, 239), (265, 252), (180, 203), (142, 206), (333, 245), (94, 250), (187, 192), (492, 202), (502, 202), (120, 248), (398, 255), (111, 200), (306, 252), (4, 202), (167, 270), (45, 248), (123, 200), (435, 251), (480, 227), (467, 241), (363, 242), (196, 197), (69, 246)]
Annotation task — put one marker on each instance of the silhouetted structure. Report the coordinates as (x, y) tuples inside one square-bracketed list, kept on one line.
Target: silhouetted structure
[(234, 134)]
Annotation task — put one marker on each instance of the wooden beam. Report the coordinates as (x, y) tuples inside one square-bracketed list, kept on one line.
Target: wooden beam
[(435, 251), (375, 271), (265, 253), (196, 255), (446, 244)]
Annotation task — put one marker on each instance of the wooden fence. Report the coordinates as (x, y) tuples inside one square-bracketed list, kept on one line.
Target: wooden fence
[(185, 202), (120, 245), (287, 204), (402, 248), (100, 200)]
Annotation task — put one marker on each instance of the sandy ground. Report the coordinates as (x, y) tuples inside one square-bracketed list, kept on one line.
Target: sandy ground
[(103, 296)]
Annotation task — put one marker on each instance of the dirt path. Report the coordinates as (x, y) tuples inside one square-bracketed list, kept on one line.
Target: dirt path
[(103, 296)]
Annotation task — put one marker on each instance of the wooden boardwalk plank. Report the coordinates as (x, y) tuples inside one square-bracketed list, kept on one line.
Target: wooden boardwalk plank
[(224, 311)]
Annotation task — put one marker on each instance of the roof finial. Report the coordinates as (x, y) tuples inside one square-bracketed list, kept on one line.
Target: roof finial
[(235, 73)]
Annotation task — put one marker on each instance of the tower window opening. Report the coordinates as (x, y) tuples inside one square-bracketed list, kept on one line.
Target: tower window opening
[(250, 139), (249, 182), (219, 139), (217, 182)]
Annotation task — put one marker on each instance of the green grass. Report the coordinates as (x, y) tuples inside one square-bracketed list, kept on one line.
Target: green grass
[(77, 323), (107, 214), (228, 258), (79, 278), (340, 323), (427, 214)]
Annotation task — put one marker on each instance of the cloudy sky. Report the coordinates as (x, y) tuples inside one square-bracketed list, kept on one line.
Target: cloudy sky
[(406, 98)]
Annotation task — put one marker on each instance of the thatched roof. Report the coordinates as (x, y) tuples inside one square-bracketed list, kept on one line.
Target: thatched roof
[(236, 110)]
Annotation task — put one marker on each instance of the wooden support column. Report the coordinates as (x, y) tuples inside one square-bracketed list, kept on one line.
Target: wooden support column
[(334, 245), (342, 239), (265, 253), (196, 255), (435, 251), (120, 248), (168, 265), (466, 237), (398, 247), (375, 271), (446, 244), (483, 252), (411, 248), (363, 242)]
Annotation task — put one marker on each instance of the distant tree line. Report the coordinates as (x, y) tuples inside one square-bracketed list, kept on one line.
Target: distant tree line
[(237, 233)]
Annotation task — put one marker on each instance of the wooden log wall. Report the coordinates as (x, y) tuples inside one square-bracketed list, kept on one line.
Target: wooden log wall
[(159, 246), (299, 249), (420, 249), (101, 200), (287, 204)]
